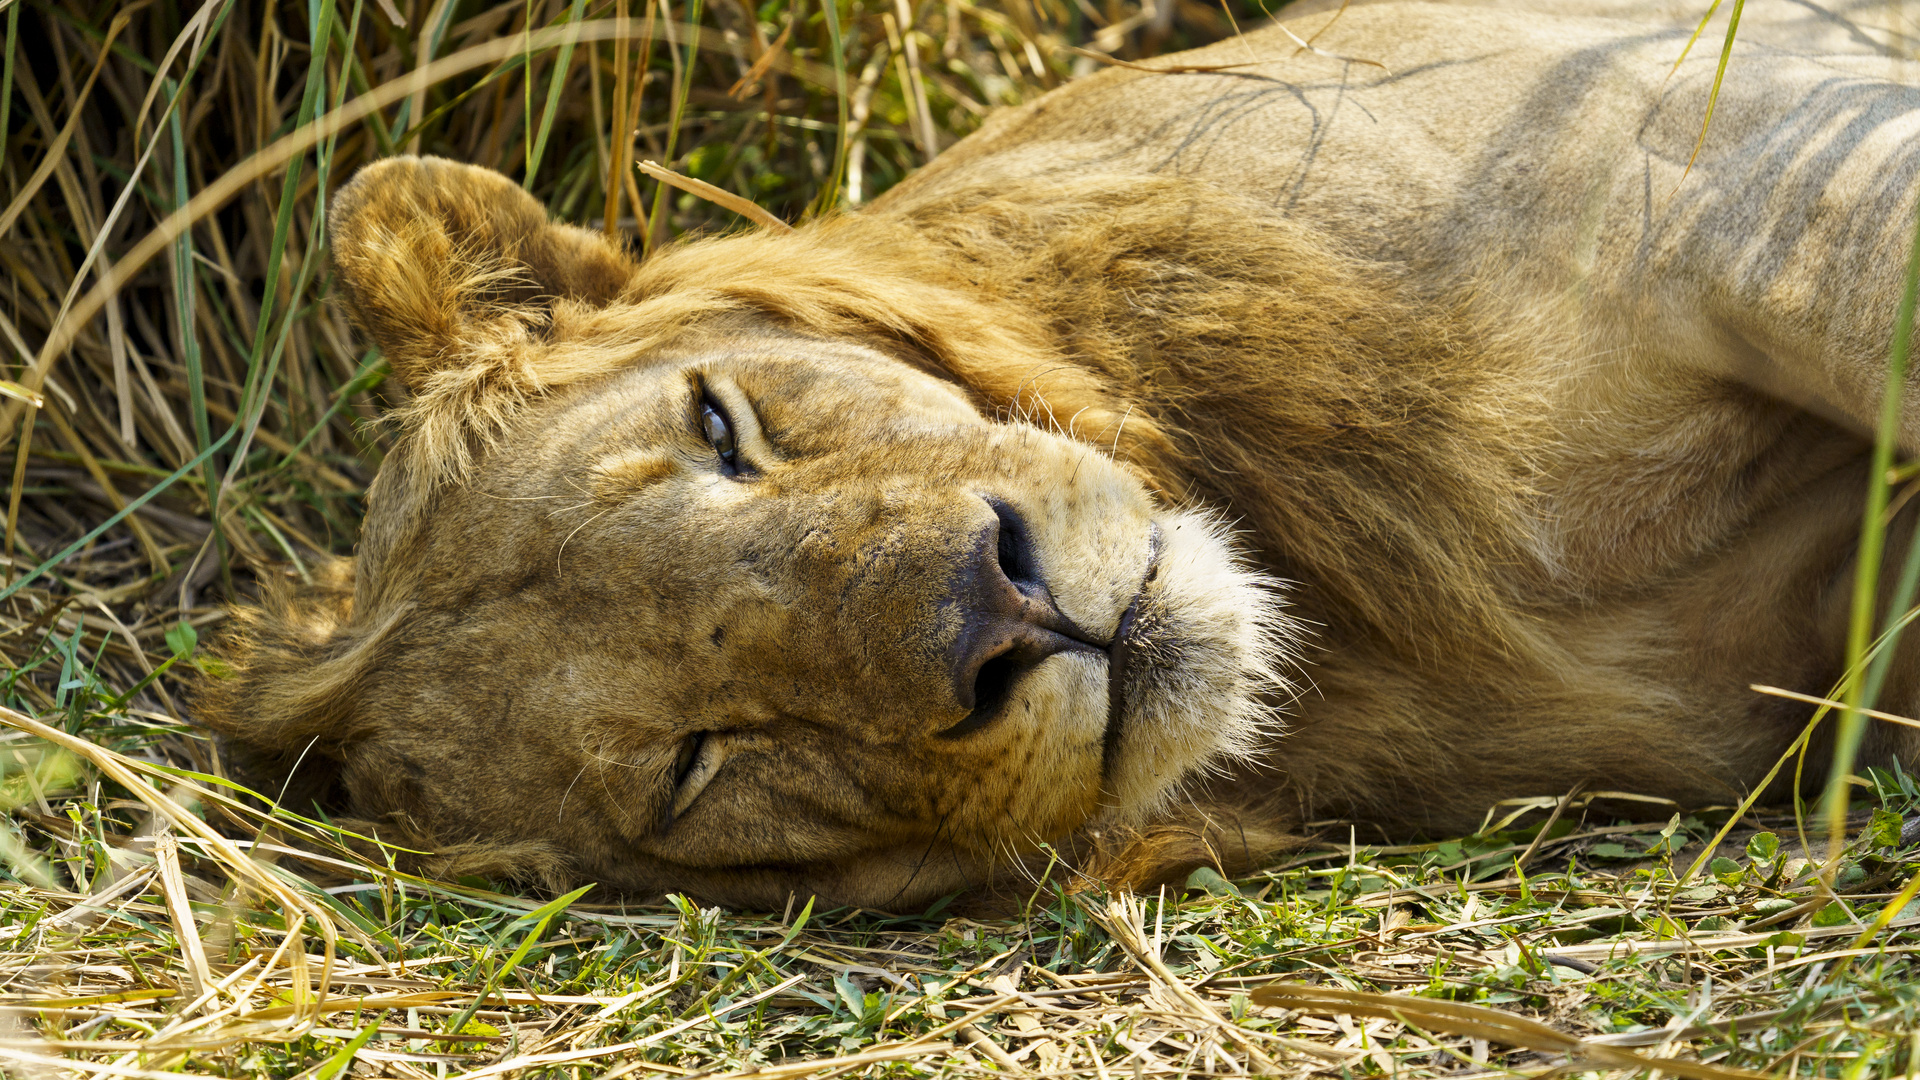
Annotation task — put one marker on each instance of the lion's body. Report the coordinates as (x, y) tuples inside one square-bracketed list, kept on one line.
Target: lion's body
[(1705, 347), (1557, 446)]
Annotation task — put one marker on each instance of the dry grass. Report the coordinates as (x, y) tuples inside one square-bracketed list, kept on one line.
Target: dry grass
[(151, 925), (147, 948)]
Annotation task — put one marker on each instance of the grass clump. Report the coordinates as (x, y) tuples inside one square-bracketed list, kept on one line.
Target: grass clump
[(139, 948), (207, 418)]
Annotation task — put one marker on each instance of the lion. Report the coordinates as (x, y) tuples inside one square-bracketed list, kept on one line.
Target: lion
[(1374, 431)]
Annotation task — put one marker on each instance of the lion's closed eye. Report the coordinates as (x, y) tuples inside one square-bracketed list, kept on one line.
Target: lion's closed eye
[(698, 759)]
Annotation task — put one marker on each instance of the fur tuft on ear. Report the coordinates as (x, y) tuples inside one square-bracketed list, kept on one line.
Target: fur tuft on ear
[(440, 262)]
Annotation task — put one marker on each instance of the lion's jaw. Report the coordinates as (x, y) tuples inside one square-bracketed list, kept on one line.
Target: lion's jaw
[(602, 575)]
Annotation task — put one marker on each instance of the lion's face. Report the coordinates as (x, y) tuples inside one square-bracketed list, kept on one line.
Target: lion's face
[(759, 613)]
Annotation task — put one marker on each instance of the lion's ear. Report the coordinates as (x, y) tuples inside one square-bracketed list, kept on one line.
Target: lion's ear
[(436, 259)]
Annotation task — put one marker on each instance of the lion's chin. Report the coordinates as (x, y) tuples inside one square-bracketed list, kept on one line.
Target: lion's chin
[(1207, 646)]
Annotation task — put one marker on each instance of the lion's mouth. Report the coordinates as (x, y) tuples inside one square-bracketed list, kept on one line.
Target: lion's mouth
[(1124, 659)]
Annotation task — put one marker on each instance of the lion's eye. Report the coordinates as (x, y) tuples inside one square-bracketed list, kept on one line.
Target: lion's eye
[(718, 429), (689, 753)]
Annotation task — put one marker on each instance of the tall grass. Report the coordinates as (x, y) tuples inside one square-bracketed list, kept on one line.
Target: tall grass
[(165, 215)]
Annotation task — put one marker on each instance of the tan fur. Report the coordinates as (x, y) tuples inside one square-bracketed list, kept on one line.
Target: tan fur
[(1392, 403)]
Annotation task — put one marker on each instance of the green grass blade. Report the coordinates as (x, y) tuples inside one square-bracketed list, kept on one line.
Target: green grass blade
[(544, 914), (120, 700), (127, 191), (356, 73), (334, 1065), (371, 372), (1694, 38), (1899, 614), (438, 20), (260, 374), (830, 191), (320, 33), (185, 289), (1719, 73), (133, 505), (447, 108), (554, 84), (1866, 578), (682, 91)]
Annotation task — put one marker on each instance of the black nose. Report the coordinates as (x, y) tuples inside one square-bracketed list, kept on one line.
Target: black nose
[(1009, 620)]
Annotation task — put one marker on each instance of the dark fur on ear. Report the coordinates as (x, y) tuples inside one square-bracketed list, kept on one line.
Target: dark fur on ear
[(431, 255)]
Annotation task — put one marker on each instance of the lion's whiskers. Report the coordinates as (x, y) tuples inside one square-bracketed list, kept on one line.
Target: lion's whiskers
[(611, 761), (1122, 426), (558, 555), (560, 816), (939, 834)]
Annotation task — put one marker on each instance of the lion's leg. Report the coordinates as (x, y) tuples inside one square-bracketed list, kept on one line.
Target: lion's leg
[(1762, 632), (1652, 693)]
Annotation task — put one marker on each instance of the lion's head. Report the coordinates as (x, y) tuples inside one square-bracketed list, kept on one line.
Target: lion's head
[(780, 564)]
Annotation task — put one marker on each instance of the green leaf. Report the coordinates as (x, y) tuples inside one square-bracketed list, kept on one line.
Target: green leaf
[(1665, 843), (1850, 875), (1727, 871), (1611, 851), (1834, 914), (1884, 829), (854, 998), (1763, 846), (1783, 938), (1661, 926), (476, 1027), (182, 639), (1208, 880)]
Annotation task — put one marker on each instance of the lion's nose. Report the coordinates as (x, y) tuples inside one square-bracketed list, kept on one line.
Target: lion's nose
[(1009, 622)]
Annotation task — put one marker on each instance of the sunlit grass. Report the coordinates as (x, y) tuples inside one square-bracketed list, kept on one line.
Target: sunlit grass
[(123, 947)]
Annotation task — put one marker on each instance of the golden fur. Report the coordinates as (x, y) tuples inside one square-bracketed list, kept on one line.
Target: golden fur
[(1482, 517)]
